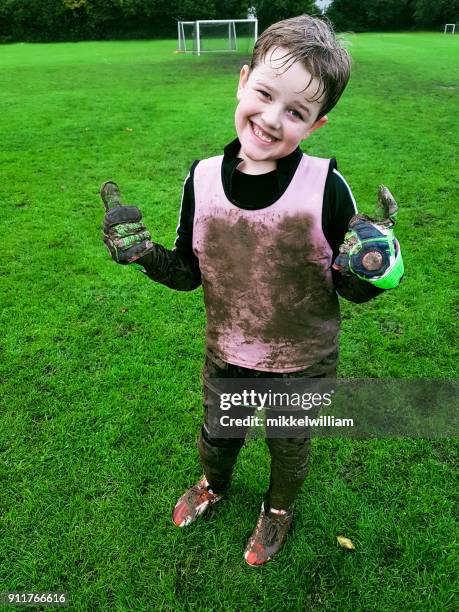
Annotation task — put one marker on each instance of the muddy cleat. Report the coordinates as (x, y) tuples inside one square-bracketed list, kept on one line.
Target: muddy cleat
[(268, 536), (193, 503)]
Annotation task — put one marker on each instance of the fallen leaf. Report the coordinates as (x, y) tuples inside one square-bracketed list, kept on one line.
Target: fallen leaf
[(128, 129), (123, 310), (345, 542)]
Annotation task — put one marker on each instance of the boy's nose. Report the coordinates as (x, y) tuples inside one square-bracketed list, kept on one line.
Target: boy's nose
[(271, 118)]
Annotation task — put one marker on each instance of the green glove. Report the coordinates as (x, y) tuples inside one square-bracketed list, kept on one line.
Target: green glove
[(370, 249), (125, 236)]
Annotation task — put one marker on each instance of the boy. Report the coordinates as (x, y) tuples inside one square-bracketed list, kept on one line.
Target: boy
[(260, 228)]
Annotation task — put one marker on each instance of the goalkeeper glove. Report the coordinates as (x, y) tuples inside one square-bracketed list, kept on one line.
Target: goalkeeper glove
[(370, 250), (125, 236)]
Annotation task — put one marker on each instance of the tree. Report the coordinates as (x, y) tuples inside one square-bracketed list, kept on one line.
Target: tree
[(231, 9), (389, 14), (348, 15), (270, 11), (433, 14)]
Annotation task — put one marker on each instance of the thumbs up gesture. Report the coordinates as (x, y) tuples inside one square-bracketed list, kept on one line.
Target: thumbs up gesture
[(370, 249), (125, 236)]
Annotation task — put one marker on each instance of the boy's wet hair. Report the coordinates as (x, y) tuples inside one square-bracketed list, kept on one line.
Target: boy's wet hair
[(312, 42)]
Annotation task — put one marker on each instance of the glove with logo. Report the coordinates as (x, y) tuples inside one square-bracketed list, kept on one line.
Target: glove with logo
[(370, 249), (125, 236)]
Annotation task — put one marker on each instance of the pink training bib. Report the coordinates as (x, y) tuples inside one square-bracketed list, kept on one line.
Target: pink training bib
[(268, 290)]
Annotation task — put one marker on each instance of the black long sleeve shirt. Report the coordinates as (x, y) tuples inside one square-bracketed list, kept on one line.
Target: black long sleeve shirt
[(179, 268)]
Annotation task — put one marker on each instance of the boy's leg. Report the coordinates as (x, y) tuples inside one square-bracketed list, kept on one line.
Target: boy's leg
[(217, 454), (290, 456), (289, 468)]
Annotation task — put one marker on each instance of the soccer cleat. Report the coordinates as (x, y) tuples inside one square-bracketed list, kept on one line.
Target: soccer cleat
[(193, 503), (268, 536)]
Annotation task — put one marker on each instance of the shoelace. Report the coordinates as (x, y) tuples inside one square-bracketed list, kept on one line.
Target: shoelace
[(197, 489), (274, 526)]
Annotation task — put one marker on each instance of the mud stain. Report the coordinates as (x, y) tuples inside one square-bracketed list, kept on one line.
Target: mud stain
[(267, 280)]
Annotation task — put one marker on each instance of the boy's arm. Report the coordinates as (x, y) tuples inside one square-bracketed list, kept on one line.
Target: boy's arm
[(338, 209), (354, 289), (177, 268)]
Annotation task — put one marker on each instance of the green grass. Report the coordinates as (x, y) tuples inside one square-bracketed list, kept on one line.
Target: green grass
[(101, 398)]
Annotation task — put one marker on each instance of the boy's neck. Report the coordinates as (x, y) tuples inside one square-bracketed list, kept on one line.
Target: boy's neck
[(248, 166)]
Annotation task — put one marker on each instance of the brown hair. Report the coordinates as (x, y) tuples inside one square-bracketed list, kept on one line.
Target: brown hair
[(312, 42)]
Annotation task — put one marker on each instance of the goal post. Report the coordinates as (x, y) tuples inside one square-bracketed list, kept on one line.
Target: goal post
[(206, 35), (449, 27)]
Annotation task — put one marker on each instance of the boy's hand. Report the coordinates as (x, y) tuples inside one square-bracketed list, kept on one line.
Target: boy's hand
[(125, 236), (370, 249)]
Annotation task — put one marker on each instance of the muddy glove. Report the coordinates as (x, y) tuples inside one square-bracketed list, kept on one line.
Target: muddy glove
[(125, 236), (370, 249)]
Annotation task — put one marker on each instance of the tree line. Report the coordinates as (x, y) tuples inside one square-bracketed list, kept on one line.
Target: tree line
[(381, 15), (60, 20)]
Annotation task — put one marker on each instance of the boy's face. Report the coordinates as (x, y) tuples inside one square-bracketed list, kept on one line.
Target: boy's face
[(275, 112)]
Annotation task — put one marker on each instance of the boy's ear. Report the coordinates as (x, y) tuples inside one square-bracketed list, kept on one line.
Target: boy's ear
[(318, 124), (243, 78)]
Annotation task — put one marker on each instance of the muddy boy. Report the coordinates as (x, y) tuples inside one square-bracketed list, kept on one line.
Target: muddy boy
[(273, 236)]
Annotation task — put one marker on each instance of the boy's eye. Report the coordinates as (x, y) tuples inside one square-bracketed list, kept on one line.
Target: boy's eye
[(265, 94), (296, 113)]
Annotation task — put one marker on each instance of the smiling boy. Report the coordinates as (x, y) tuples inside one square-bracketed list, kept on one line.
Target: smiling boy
[(260, 227), (276, 111)]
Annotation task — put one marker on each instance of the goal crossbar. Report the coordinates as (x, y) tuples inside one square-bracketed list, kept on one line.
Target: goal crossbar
[(217, 21)]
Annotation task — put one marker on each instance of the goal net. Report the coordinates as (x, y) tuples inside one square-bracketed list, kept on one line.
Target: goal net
[(449, 27), (236, 35)]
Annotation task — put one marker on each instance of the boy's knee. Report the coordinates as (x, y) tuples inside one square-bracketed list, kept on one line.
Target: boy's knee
[(218, 454)]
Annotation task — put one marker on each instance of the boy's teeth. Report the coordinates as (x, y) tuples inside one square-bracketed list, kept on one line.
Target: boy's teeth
[(262, 134)]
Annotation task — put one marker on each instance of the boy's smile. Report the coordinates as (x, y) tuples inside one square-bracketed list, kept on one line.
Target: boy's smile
[(277, 110)]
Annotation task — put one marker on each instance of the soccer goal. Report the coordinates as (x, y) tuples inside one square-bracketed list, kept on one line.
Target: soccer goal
[(217, 35), (449, 27)]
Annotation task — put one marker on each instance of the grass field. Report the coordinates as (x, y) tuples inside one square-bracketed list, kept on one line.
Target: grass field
[(101, 398)]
